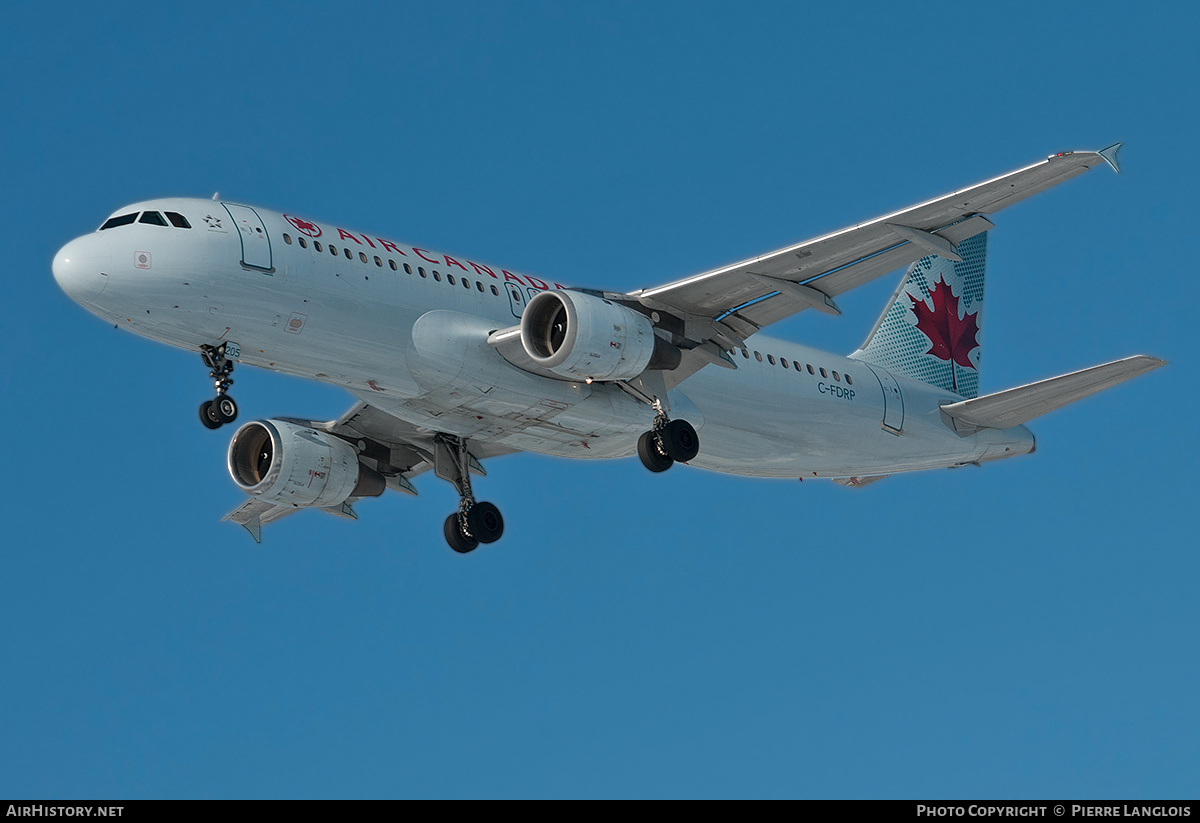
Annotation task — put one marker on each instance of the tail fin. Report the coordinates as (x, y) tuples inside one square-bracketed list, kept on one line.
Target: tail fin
[(930, 330)]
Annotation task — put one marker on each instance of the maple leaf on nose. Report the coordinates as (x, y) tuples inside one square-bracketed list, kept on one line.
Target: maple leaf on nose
[(952, 337)]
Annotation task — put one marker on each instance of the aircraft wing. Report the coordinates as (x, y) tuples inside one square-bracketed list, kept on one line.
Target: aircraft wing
[(723, 307), (395, 449)]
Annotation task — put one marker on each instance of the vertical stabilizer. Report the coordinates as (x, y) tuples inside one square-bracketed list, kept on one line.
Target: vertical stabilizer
[(930, 331)]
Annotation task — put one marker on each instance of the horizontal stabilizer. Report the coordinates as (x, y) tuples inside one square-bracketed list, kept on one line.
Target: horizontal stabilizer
[(1006, 409)]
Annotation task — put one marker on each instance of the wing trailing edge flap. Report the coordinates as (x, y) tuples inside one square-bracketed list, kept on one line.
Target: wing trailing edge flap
[(255, 513), (1009, 408), (913, 244)]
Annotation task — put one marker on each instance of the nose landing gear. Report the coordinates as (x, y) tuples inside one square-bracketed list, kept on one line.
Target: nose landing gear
[(222, 409), (473, 523)]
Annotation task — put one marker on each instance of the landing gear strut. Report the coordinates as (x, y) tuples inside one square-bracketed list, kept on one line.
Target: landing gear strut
[(220, 410), (667, 442), (473, 523)]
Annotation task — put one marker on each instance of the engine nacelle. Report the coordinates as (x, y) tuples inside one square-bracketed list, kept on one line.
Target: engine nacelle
[(578, 336), (292, 465)]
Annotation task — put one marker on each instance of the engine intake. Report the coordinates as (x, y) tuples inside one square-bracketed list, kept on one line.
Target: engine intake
[(292, 465), (578, 336)]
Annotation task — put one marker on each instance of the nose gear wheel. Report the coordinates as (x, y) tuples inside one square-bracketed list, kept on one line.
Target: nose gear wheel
[(222, 409)]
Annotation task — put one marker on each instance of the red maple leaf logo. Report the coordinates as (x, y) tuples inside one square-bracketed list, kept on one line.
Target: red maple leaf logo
[(311, 229), (952, 338)]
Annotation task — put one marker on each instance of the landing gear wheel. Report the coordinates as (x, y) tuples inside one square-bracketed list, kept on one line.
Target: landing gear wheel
[(485, 523), (454, 536), (219, 359), (680, 441), (651, 455), (208, 415), (225, 408)]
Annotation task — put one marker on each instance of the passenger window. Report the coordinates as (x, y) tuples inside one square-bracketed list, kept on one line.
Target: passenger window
[(771, 359), (287, 238), (407, 269), (495, 291), (378, 262), (450, 279), (303, 242), (349, 256), (796, 363), (466, 283), (823, 374), (810, 369), (783, 362), (848, 380), (421, 271), (333, 250), (178, 220), (758, 357), (362, 257), (837, 377), (745, 354), (479, 285), (317, 245), (123, 220), (392, 263), (152, 218), (437, 276)]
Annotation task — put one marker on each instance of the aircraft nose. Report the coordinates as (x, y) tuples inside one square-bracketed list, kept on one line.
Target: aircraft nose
[(82, 270)]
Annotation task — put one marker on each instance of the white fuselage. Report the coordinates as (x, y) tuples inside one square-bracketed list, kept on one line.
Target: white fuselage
[(412, 341)]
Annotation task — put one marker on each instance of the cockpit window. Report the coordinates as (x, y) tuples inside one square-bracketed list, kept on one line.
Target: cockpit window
[(178, 220), (153, 218), (123, 220)]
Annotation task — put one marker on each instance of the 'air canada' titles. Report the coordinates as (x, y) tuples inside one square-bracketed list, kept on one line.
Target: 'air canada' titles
[(314, 230)]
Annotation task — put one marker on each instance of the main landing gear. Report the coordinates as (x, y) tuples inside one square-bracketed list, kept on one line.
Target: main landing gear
[(221, 409), (667, 442), (473, 523)]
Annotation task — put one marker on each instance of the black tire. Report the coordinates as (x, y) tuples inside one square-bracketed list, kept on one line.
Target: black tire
[(454, 536), (652, 457), (225, 409), (680, 441), (485, 522), (208, 415)]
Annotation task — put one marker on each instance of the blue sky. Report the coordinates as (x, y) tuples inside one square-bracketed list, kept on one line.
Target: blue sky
[(1027, 629)]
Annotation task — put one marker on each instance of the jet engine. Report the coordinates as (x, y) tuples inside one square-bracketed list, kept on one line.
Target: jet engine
[(292, 465), (581, 337)]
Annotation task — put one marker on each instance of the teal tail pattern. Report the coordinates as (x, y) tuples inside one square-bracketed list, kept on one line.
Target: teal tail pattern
[(930, 330)]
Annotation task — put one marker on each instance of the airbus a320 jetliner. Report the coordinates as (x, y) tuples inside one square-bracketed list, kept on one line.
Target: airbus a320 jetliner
[(455, 361)]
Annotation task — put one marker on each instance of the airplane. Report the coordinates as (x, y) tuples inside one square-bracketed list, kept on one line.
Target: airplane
[(454, 362)]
